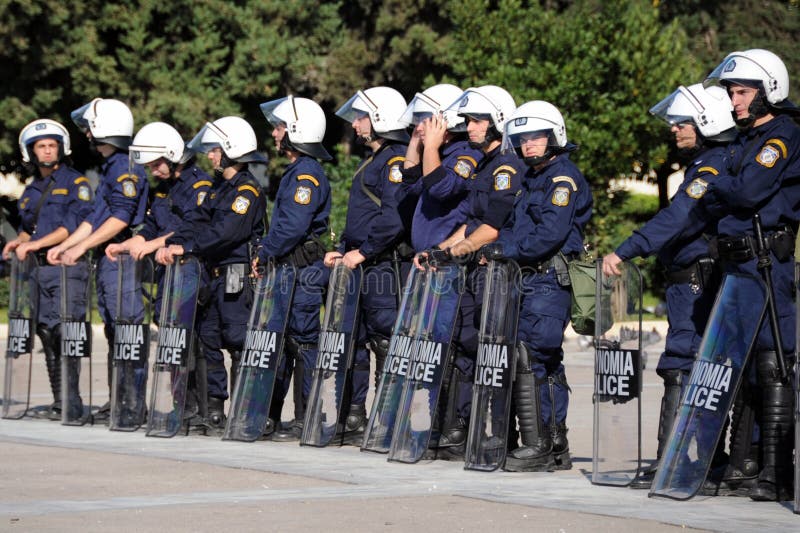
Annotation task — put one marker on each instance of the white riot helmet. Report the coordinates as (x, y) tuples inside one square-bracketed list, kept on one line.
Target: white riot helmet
[(488, 101), (43, 129), (109, 121), (756, 67), (156, 140), (234, 135), (435, 100), (708, 108), (537, 116), (305, 124), (384, 106)]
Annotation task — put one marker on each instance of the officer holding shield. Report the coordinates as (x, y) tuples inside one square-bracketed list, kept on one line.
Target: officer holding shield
[(221, 231), (51, 207), (120, 204), (299, 222)]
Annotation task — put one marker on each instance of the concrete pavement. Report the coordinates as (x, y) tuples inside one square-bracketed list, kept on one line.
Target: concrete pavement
[(90, 479)]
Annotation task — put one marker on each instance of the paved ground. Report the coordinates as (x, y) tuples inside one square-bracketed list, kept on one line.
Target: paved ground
[(58, 478)]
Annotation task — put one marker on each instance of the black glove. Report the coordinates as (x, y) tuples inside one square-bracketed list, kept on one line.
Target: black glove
[(439, 257), (492, 251)]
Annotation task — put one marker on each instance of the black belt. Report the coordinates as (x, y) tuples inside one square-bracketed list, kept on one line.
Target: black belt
[(698, 273), (543, 266), (743, 248)]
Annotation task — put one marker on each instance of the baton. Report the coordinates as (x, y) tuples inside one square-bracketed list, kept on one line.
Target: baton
[(764, 266)]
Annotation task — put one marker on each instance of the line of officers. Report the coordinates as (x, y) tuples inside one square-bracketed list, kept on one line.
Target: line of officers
[(462, 174)]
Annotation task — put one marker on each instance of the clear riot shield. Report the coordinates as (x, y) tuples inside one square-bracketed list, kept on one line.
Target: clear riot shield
[(76, 344), (797, 386), (494, 368), (716, 374), (335, 359), (616, 451), (378, 435), (131, 343), (19, 350), (175, 345), (430, 355), (262, 355)]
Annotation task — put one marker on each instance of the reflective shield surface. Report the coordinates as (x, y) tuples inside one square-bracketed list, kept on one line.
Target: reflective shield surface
[(76, 344)]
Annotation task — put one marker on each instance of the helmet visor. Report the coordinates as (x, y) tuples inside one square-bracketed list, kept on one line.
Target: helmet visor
[(78, 116), (269, 109), (358, 106), (207, 139), (523, 129), (679, 107)]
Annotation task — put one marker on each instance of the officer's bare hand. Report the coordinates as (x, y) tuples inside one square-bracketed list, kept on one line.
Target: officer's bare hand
[(256, 270), (113, 250), (10, 247), (330, 259), (71, 256), (166, 256), (24, 248), (54, 255), (352, 259), (611, 265), (435, 129)]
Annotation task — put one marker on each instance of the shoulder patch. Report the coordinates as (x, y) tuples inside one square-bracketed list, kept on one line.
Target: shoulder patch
[(780, 145), (395, 160), (201, 183), (464, 166), (560, 196), (130, 177), (59, 192), (708, 170), (248, 188), (508, 169), (308, 177), (502, 181), (84, 193), (201, 196), (129, 188), (697, 188), (240, 204), (395, 173), (302, 195), (566, 179), (82, 179), (768, 156)]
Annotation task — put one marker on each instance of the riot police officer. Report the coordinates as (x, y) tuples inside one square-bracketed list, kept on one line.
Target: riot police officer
[(300, 220), (221, 231), (701, 122), (182, 187), (51, 207), (373, 232), (495, 183), (120, 204), (439, 165), (763, 167), (544, 231)]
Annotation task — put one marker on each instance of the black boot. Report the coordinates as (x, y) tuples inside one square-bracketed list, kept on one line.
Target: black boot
[(536, 452), (777, 432), (669, 411), (51, 341), (558, 430), (738, 476), (355, 424), (453, 436), (294, 430), (216, 414)]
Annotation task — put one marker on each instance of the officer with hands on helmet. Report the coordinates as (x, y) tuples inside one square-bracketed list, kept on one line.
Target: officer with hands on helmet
[(494, 184), (120, 204), (299, 222), (700, 121), (220, 231), (373, 229), (182, 186), (439, 165), (51, 206), (544, 231), (762, 178)]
